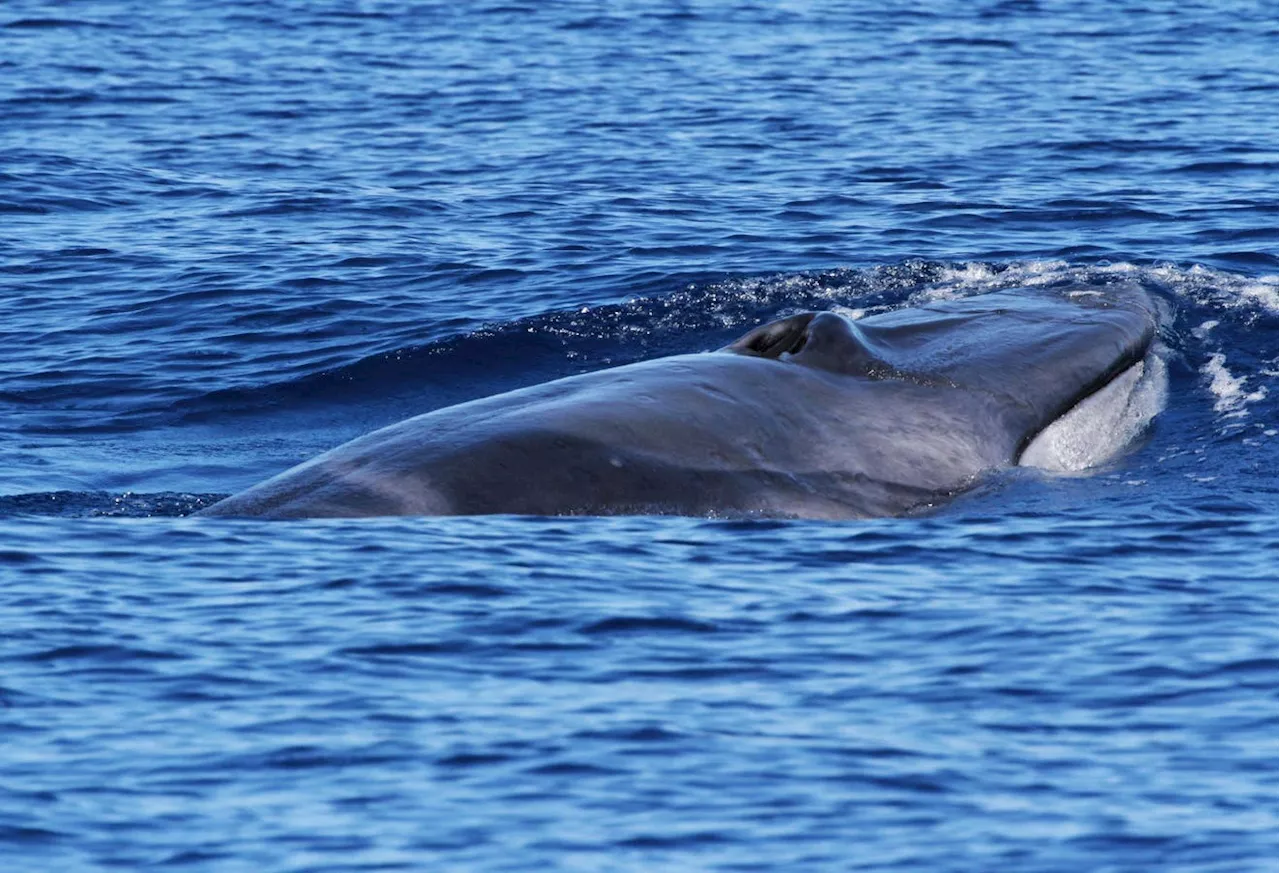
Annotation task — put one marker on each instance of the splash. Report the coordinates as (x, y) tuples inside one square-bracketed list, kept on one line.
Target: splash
[(1231, 393), (1197, 284)]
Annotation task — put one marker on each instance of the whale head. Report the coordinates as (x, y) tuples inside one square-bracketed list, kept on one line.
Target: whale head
[(1036, 355)]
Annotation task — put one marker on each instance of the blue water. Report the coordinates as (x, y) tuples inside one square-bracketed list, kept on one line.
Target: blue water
[(234, 234)]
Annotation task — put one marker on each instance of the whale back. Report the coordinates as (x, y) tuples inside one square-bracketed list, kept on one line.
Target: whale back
[(811, 416)]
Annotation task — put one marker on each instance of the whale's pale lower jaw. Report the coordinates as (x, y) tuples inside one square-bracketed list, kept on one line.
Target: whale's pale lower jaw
[(1105, 423), (811, 416)]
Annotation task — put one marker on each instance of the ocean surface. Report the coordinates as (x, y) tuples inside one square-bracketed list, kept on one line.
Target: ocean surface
[(235, 234)]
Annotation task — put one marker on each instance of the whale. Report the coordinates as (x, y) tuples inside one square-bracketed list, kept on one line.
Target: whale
[(812, 415)]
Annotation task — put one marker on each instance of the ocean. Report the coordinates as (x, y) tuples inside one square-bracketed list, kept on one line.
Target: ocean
[(235, 234)]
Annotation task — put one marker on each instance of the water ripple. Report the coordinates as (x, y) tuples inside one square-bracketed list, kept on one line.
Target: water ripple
[(240, 233)]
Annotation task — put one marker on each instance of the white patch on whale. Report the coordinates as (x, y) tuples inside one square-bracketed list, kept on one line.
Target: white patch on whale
[(1101, 425)]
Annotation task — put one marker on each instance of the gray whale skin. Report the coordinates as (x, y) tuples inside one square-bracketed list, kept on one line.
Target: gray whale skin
[(813, 416)]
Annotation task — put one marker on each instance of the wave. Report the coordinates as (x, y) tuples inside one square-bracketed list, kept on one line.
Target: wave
[(1219, 324), (704, 316), (101, 504)]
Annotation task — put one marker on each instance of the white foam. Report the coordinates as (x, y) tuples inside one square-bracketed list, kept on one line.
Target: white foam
[(1220, 290), (1200, 284), (849, 312), (1264, 292), (1101, 425), (1203, 330), (1229, 391), (1244, 297), (974, 277)]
